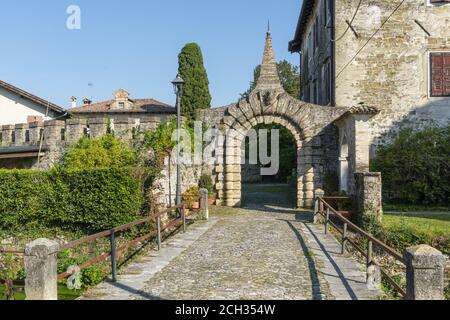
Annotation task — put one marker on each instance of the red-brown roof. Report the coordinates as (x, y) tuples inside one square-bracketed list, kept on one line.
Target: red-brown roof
[(139, 106), (44, 103)]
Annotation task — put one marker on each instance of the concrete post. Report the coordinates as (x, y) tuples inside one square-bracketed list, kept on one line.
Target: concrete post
[(424, 273), (41, 282), (204, 204), (317, 193)]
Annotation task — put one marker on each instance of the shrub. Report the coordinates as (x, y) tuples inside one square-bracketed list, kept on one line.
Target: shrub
[(88, 200), (104, 152), (206, 182), (415, 167)]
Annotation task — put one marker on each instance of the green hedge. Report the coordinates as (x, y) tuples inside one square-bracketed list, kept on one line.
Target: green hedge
[(415, 167), (88, 200)]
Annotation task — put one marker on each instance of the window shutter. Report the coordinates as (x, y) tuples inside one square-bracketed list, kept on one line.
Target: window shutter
[(437, 62), (446, 74)]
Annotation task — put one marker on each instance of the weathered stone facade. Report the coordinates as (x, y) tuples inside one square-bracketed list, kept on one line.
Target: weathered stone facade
[(385, 64)]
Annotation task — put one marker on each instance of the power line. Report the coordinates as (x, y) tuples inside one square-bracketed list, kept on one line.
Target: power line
[(370, 38), (350, 23)]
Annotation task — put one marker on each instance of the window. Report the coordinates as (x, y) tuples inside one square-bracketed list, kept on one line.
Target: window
[(63, 134), (327, 81), (440, 74), (27, 136), (122, 105), (13, 136), (316, 34)]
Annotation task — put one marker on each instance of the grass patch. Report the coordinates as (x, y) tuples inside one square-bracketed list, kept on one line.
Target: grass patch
[(391, 207), (409, 229), (222, 211), (63, 293)]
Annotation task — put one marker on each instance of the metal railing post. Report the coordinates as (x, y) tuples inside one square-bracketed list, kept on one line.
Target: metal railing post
[(158, 228), (113, 256), (183, 213), (327, 221), (344, 238), (369, 253)]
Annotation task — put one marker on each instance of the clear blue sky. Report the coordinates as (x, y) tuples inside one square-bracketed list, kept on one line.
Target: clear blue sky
[(134, 44)]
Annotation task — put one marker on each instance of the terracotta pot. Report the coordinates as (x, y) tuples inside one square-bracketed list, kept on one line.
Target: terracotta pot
[(210, 202), (195, 205)]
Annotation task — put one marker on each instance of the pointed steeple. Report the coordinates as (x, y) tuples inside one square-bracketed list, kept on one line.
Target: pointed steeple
[(269, 79)]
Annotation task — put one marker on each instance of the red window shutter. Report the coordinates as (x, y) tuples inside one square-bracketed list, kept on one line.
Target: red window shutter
[(437, 63), (446, 74)]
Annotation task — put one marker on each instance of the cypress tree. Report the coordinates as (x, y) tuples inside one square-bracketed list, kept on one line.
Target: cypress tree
[(196, 89)]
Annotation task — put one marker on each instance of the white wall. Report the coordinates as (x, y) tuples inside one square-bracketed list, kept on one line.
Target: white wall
[(15, 109)]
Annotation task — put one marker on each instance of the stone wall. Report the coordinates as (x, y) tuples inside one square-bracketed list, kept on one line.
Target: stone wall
[(392, 72), (58, 135)]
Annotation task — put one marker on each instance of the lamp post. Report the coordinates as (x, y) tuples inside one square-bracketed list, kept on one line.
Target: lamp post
[(178, 87)]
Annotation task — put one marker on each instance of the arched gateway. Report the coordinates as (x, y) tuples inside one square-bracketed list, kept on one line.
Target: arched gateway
[(315, 128)]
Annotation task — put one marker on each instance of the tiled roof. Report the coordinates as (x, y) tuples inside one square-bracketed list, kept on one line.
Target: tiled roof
[(139, 106), (44, 103)]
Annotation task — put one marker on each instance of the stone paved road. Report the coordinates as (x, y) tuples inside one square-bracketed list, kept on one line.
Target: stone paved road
[(261, 252), (264, 251)]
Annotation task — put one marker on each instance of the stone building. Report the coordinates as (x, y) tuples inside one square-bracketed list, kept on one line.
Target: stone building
[(123, 107), (394, 55)]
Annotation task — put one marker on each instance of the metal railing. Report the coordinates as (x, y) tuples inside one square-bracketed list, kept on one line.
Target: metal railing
[(156, 219), (323, 209)]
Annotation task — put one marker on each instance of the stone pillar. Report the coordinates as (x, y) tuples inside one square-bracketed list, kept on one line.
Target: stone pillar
[(21, 132), (424, 273), (317, 194), (35, 132), (98, 126), (7, 132), (41, 282), (369, 199), (75, 130), (363, 137), (204, 209), (374, 278)]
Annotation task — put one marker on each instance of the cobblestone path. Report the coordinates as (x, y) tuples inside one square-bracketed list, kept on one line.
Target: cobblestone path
[(264, 251)]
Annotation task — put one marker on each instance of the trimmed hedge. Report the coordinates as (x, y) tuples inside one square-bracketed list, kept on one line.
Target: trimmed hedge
[(88, 200)]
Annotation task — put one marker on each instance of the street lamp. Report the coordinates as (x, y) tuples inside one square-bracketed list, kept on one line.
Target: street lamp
[(178, 87)]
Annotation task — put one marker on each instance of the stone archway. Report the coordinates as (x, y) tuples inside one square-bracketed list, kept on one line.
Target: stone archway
[(313, 127)]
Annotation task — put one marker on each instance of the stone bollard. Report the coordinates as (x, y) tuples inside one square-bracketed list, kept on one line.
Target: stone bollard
[(374, 278), (204, 204), (424, 273), (318, 193), (41, 281)]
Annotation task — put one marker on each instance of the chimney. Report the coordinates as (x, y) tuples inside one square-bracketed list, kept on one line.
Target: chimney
[(74, 102), (87, 101)]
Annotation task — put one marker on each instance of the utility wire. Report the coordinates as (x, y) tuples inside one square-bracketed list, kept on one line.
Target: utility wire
[(370, 38), (351, 22)]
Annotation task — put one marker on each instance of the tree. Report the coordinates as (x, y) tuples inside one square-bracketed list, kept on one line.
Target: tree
[(196, 89), (289, 77)]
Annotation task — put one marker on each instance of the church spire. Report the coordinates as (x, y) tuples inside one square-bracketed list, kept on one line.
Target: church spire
[(269, 79)]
